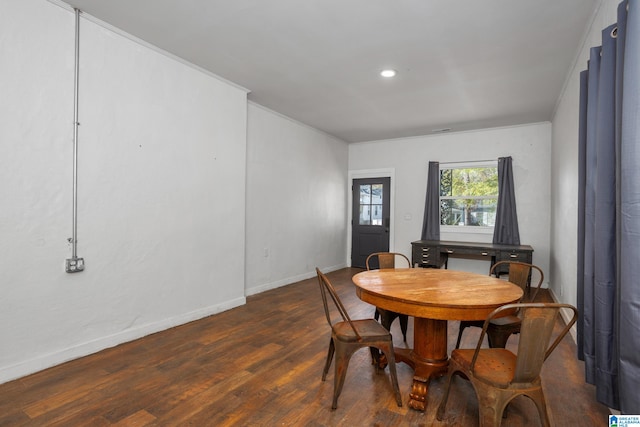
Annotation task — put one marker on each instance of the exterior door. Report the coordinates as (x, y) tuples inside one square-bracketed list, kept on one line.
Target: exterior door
[(370, 221)]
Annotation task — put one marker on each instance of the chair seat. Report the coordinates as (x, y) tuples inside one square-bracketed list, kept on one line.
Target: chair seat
[(501, 328), (507, 321), (368, 329), (495, 366)]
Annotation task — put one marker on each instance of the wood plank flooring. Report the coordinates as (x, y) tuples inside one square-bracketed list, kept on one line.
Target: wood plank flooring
[(260, 365)]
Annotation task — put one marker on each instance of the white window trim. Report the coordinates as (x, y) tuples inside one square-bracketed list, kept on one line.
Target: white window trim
[(466, 229)]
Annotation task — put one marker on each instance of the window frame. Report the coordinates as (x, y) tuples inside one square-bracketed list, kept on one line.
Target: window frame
[(479, 229), (374, 205)]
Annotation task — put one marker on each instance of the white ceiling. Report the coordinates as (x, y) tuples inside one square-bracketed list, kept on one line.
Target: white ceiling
[(465, 64)]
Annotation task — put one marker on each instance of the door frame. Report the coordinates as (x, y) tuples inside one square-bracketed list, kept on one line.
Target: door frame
[(371, 173)]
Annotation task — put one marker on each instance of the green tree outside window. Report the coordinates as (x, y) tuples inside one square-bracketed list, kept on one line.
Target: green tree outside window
[(468, 196)]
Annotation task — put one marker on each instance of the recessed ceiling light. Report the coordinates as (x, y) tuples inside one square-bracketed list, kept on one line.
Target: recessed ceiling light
[(388, 73)]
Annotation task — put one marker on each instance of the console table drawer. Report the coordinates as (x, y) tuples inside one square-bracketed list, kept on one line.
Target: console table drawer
[(514, 255), (453, 250), (426, 255)]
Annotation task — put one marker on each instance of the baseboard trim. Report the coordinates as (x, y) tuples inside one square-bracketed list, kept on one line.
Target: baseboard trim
[(566, 316), (40, 363), (289, 280)]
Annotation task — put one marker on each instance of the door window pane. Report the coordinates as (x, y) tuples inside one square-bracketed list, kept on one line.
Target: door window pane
[(365, 215), (365, 194), (376, 194), (371, 204), (376, 214)]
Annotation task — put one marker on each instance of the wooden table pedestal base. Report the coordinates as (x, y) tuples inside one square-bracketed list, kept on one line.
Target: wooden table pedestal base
[(428, 358)]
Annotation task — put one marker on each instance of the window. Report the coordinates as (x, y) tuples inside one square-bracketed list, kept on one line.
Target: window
[(371, 204), (468, 194)]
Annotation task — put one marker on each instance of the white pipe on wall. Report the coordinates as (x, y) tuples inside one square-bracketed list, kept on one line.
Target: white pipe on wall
[(75, 264)]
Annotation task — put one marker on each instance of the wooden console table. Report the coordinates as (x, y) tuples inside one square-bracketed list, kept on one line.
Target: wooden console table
[(436, 253)]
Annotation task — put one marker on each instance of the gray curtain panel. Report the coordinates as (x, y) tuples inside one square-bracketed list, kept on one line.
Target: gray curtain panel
[(609, 214), (431, 222), (629, 313), (604, 250), (582, 178), (506, 230), (587, 317)]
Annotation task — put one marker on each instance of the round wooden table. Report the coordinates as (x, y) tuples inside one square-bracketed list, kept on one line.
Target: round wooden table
[(432, 296)]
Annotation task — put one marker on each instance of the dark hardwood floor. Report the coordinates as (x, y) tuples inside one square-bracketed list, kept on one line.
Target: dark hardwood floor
[(260, 365)]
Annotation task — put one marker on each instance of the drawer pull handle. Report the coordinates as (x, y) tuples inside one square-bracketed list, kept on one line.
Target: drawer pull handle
[(449, 251), (425, 249), (513, 255), (485, 253)]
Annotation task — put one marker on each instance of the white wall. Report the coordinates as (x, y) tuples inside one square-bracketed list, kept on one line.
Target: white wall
[(529, 145), (296, 201), (161, 190), (165, 153), (564, 165)]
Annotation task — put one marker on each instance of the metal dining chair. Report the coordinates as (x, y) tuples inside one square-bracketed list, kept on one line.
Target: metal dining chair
[(499, 331), (498, 375), (348, 336), (380, 260)]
